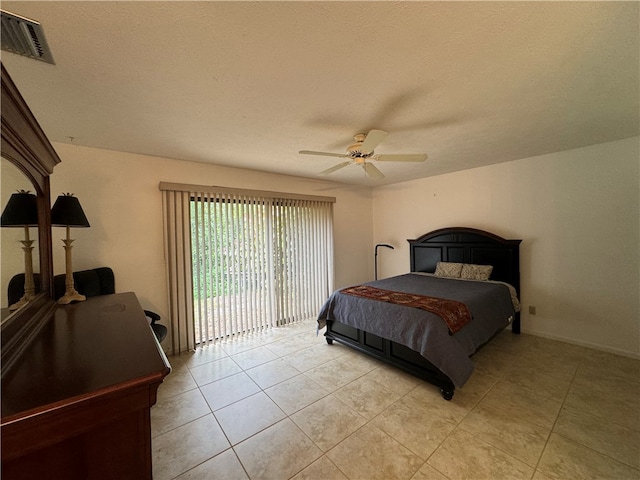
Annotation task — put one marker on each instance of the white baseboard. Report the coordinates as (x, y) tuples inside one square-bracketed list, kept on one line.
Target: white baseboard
[(595, 346)]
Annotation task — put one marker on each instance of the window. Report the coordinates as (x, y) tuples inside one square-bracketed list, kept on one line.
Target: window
[(255, 260)]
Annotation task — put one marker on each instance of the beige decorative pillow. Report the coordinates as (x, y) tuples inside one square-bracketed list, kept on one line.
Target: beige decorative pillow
[(476, 272), (448, 269)]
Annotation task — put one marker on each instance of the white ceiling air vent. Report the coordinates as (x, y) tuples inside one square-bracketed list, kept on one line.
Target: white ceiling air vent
[(24, 37)]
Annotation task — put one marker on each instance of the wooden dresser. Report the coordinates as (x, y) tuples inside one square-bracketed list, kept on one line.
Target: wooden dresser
[(77, 403)]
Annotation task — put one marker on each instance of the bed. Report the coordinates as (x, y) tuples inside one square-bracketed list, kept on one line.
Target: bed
[(411, 335)]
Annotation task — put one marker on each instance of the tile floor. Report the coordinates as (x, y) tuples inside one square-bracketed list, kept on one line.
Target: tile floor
[(271, 406)]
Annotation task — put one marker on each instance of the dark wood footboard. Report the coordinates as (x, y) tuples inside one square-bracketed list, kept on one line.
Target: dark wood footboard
[(390, 352)]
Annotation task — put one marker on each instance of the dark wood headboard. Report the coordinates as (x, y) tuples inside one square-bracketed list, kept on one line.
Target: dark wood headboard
[(468, 245)]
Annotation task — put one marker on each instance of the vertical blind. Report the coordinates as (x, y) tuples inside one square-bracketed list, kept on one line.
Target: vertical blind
[(252, 260)]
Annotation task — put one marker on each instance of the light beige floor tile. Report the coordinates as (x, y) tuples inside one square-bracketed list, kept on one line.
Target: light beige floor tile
[(430, 398), (371, 454), (272, 373), (224, 466), (296, 393), (519, 379), (228, 390), (613, 399), (202, 355), (178, 381), (176, 362), (178, 410), (464, 456), (328, 377), (212, 371), (328, 421), (523, 404), (187, 446), (618, 442), (315, 356), (414, 426), (494, 362), (544, 382), (556, 365), (538, 475), (600, 379), (474, 390), (508, 342), (520, 439), (559, 352), (563, 459), (543, 344), (341, 371), (274, 334), (292, 344), (241, 344), (606, 364), (366, 396), (306, 324), (533, 353), (279, 452), (278, 333), (248, 416), (254, 357), (427, 472), (394, 378), (321, 469)]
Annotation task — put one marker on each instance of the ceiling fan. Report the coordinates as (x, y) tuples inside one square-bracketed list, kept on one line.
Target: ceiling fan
[(361, 153)]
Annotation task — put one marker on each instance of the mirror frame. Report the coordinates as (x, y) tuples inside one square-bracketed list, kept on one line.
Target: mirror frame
[(25, 144)]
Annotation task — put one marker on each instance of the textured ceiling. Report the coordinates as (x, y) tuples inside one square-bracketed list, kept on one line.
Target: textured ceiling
[(249, 84)]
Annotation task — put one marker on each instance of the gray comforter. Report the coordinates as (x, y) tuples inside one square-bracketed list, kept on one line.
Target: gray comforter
[(490, 304)]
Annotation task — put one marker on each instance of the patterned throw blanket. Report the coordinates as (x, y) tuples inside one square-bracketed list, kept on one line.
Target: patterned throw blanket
[(455, 314)]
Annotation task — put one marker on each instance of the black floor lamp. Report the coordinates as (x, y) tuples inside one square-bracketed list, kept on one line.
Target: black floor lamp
[(376, 256)]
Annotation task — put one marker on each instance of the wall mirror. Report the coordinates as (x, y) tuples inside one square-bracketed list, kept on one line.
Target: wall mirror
[(12, 260), (27, 148)]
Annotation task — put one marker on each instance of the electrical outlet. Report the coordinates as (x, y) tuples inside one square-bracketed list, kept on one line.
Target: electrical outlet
[(532, 310)]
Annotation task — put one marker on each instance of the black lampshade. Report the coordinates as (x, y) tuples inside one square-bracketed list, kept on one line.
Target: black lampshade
[(21, 210), (68, 212)]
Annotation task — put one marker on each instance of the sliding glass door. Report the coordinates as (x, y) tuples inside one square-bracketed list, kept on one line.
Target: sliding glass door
[(257, 262)]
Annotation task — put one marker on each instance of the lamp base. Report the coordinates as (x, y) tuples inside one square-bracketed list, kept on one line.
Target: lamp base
[(23, 301), (71, 296)]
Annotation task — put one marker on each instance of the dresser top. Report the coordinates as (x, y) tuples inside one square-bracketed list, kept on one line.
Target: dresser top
[(86, 349)]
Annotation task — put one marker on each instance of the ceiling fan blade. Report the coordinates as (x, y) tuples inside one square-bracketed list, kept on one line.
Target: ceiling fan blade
[(372, 140), (334, 168), (401, 157), (324, 154), (371, 170)]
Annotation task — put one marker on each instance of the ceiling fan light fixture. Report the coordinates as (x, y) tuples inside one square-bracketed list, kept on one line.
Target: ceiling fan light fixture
[(362, 150), (354, 148)]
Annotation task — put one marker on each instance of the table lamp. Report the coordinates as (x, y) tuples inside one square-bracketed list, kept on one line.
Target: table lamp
[(67, 212), (22, 211)]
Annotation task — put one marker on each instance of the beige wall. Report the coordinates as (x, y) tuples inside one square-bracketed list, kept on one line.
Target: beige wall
[(577, 213), (119, 194)]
